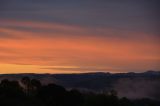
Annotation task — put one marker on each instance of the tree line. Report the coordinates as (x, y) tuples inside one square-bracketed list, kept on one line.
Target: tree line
[(30, 92)]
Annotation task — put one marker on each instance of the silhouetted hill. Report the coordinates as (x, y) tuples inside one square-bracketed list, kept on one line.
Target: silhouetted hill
[(30, 92), (132, 85)]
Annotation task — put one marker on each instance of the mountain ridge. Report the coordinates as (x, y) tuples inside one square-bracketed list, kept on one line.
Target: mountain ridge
[(131, 84)]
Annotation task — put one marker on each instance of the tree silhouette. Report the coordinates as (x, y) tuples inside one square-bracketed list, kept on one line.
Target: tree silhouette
[(27, 84), (10, 88), (75, 98), (12, 93), (36, 84), (52, 94)]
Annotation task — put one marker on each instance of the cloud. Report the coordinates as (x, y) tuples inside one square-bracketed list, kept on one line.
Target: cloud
[(83, 33), (80, 68), (126, 15), (13, 28), (82, 51)]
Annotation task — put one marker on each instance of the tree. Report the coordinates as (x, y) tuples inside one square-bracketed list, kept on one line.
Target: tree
[(10, 89), (75, 98), (35, 84), (52, 95), (27, 84)]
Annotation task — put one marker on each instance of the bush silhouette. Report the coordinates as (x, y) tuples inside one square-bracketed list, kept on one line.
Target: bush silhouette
[(30, 92)]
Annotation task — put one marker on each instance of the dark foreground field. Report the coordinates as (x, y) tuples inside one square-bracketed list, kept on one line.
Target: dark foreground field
[(30, 92)]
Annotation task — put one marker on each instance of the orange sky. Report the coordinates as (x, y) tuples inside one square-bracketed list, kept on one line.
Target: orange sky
[(63, 48)]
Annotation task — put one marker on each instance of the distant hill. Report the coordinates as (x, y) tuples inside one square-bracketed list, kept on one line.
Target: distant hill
[(132, 85)]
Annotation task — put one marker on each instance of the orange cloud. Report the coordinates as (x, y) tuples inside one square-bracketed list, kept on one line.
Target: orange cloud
[(66, 49)]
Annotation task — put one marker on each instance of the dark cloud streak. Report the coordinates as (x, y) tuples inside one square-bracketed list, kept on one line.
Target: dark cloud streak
[(127, 14)]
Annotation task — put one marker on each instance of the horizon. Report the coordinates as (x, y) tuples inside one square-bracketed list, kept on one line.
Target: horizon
[(76, 73), (79, 36)]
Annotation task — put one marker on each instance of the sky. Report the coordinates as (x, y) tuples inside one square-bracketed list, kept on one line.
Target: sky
[(79, 36)]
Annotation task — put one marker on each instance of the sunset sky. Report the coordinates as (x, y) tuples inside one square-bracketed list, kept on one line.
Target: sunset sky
[(78, 36)]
